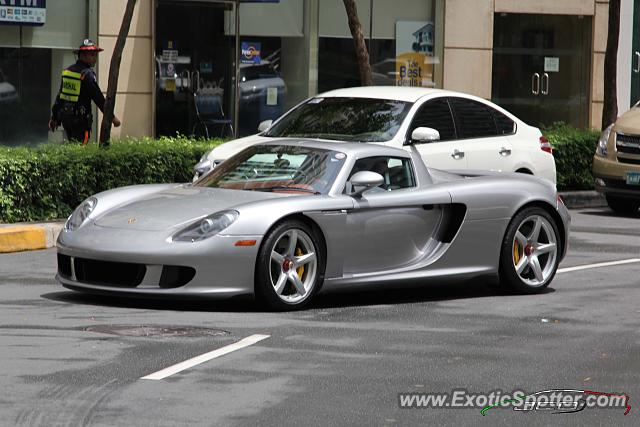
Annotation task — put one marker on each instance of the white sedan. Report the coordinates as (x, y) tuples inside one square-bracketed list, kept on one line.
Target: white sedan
[(451, 130)]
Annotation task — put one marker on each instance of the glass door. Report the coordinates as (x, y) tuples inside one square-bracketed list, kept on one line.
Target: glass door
[(194, 68), (541, 67)]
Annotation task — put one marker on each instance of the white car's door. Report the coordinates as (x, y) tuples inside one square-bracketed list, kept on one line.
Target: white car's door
[(484, 135), (448, 152)]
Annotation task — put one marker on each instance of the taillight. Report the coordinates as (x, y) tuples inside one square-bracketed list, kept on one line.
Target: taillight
[(545, 145)]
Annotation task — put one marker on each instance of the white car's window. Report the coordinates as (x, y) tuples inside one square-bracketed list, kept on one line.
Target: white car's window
[(343, 119), (473, 119), (435, 114), (505, 125), (396, 171)]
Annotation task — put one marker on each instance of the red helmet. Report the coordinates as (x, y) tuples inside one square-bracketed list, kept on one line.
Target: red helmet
[(88, 46)]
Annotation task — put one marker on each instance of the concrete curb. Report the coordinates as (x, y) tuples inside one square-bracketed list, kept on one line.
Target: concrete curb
[(583, 199), (28, 237)]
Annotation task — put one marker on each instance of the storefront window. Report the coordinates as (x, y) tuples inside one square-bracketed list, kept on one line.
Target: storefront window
[(404, 49), (31, 59)]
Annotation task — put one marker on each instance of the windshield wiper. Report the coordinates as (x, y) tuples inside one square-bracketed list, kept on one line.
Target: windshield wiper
[(284, 187)]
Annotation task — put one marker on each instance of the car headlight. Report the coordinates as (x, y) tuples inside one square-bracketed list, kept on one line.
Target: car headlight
[(205, 155), (601, 150), (80, 215), (207, 227)]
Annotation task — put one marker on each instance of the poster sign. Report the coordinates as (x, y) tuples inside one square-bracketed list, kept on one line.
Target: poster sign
[(551, 64), (169, 55), (23, 12), (250, 52), (415, 53)]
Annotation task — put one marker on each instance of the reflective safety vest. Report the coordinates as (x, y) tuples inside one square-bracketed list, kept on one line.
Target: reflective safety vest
[(71, 83)]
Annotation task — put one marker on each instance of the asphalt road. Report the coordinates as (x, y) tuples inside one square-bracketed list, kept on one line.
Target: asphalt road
[(71, 359)]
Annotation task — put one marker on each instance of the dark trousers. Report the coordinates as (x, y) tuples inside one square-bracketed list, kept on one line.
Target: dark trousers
[(77, 131)]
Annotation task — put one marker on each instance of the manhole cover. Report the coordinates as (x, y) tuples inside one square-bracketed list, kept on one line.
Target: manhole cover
[(156, 331)]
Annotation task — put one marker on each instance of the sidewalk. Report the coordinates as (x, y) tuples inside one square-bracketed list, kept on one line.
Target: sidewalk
[(31, 236)]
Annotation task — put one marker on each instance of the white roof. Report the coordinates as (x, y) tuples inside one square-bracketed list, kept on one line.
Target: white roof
[(400, 93)]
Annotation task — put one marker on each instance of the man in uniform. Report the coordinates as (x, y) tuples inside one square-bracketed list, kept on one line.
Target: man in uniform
[(78, 88)]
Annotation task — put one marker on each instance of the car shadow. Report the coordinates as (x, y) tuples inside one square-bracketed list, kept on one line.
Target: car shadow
[(414, 295), (605, 212), (336, 299)]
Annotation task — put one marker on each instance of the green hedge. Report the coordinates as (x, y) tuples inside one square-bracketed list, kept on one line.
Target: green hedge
[(49, 181), (573, 150)]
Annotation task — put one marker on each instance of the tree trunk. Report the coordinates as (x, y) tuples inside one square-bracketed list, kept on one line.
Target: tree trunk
[(362, 54), (114, 71), (610, 108)]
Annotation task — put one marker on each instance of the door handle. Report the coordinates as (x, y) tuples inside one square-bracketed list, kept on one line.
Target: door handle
[(535, 83), (504, 151), (545, 87), (457, 154), (636, 69)]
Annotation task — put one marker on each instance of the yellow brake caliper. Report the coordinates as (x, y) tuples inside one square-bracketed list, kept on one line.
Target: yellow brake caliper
[(300, 270), (516, 252)]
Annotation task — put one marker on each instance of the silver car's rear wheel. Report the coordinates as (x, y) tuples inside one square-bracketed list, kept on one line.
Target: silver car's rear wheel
[(530, 251), (290, 266), (535, 249)]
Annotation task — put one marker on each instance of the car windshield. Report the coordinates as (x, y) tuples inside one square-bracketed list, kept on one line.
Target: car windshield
[(277, 168), (343, 119)]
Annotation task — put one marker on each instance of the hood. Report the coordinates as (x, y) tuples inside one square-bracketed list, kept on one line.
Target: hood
[(629, 122), (228, 149), (176, 207)]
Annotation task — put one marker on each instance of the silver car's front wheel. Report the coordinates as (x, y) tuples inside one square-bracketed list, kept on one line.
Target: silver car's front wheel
[(530, 251), (290, 266)]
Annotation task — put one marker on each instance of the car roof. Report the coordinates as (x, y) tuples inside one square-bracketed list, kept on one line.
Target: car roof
[(406, 94), (357, 149)]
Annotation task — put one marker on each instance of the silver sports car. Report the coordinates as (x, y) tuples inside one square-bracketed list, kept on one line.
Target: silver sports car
[(280, 220)]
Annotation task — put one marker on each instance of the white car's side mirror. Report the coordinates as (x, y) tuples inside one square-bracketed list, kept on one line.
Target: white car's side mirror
[(264, 125), (423, 134)]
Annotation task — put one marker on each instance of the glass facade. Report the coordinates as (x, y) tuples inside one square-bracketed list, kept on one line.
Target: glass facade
[(404, 48), (31, 59)]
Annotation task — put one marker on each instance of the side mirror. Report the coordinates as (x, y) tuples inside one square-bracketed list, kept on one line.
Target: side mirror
[(422, 135), (203, 167), (363, 181), (264, 125)]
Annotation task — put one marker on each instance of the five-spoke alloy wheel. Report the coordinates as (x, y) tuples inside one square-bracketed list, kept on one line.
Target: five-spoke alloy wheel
[(530, 251), (290, 266)]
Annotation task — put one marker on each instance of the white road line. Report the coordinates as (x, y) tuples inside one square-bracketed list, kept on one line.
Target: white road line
[(245, 342), (600, 264)]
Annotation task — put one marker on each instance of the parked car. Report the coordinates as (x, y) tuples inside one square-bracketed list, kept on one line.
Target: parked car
[(616, 164), (279, 219), (452, 130)]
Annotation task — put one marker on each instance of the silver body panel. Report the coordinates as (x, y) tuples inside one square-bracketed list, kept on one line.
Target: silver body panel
[(386, 236)]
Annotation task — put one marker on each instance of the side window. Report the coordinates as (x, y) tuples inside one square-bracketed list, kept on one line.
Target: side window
[(474, 119), (505, 125), (396, 171), (435, 114)]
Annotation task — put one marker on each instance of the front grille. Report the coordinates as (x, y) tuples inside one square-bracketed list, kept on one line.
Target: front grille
[(120, 274), (629, 144), (108, 273), (627, 160), (64, 266), (174, 276)]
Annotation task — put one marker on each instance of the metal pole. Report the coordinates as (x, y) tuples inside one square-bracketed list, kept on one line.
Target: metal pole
[(236, 107)]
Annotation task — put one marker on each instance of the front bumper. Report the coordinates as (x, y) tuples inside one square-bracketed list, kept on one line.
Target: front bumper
[(610, 177), (215, 267)]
